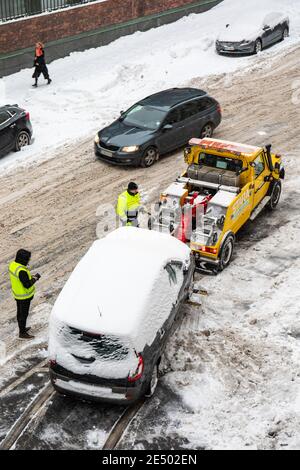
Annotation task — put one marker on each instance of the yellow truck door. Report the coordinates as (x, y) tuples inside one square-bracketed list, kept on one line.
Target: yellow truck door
[(260, 172)]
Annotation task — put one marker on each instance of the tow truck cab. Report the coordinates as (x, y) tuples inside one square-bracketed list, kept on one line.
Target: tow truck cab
[(232, 183)]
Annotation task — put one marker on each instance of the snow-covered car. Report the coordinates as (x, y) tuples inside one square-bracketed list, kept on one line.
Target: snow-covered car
[(249, 35), (110, 324)]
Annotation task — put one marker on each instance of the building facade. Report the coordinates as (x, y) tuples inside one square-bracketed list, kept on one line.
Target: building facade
[(77, 26)]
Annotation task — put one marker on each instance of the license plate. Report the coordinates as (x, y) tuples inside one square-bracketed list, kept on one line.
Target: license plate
[(107, 153), (229, 48)]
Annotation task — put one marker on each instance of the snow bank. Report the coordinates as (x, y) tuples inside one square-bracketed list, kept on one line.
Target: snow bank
[(90, 88)]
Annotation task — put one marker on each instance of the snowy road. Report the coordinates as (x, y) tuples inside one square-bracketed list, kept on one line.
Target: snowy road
[(89, 89), (234, 381)]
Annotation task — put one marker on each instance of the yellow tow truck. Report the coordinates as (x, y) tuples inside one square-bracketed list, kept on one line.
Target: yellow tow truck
[(225, 185)]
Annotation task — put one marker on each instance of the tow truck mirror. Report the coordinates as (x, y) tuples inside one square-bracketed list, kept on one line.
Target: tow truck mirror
[(282, 174)]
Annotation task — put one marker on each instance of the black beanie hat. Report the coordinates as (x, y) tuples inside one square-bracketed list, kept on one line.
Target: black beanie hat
[(132, 186)]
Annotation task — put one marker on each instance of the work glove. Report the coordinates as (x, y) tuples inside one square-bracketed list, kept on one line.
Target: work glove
[(37, 276)]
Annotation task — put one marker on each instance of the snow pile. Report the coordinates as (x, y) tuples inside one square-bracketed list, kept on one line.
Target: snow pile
[(89, 89)]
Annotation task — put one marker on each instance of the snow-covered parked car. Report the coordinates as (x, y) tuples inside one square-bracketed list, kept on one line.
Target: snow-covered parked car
[(251, 34), (110, 324)]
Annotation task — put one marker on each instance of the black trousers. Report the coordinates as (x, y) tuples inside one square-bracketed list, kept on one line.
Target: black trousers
[(22, 313), (41, 69)]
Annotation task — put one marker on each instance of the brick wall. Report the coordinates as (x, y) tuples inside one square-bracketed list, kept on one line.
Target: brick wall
[(24, 33)]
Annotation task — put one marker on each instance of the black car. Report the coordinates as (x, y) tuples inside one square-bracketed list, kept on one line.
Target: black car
[(240, 38), (156, 125), (15, 128)]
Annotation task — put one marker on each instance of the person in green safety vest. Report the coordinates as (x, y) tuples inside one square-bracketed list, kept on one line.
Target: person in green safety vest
[(129, 205), (23, 289)]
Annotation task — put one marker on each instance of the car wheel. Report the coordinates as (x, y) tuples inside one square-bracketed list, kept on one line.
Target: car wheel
[(149, 158), (22, 140), (207, 131), (285, 33), (275, 196), (153, 382), (226, 252), (258, 46)]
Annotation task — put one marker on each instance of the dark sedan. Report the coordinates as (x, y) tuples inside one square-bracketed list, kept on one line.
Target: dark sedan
[(15, 129), (251, 37), (157, 125)]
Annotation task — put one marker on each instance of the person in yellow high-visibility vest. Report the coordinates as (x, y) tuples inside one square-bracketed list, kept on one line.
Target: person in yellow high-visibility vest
[(23, 289), (129, 205)]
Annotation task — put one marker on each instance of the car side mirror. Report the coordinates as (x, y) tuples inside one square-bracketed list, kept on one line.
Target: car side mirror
[(167, 127), (266, 27), (121, 112)]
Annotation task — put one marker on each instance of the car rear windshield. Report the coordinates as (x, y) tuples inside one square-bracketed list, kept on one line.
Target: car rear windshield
[(221, 163), (144, 116), (107, 347)]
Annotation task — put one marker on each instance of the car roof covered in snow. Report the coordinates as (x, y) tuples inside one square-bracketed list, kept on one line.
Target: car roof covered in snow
[(250, 25), (172, 97), (110, 288), (227, 147)]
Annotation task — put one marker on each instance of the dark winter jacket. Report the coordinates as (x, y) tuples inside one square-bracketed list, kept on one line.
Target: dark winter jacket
[(40, 61)]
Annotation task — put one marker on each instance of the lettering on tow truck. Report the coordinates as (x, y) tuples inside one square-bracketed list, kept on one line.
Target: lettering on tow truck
[(240, 204)]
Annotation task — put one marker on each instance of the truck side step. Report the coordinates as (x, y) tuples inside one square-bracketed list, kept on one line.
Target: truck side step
[(260, 207)]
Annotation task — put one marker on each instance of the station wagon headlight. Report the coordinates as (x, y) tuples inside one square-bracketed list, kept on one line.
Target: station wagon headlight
[(131, 148), (97, 139)]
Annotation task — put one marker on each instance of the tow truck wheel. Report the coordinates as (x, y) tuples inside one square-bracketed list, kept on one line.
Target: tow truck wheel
[(275, 196), (153, 382), (226, 252)]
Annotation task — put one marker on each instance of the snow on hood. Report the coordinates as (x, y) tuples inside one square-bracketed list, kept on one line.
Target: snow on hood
[(109, 292)]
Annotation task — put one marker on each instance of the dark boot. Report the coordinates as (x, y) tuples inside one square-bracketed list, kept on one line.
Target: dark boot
[(49, 81), (25, 336), (35, 85)]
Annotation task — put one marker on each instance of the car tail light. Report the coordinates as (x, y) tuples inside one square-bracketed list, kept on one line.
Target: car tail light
[(52, 363), (139, 370), (27, 116), (208, 249), (219, 109)]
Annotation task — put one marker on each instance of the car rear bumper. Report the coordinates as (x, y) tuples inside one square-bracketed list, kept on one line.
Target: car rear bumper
[(89, 391), (117, 157)]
